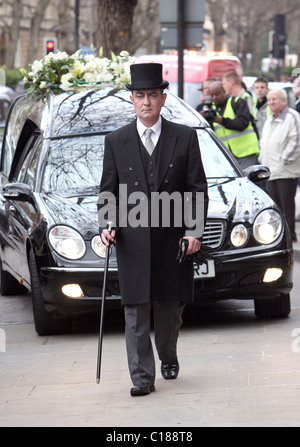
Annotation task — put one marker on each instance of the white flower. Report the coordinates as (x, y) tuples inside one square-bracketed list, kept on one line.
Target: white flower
[(78, 68), (88, 57), (90, 77), (91, 66), (47, 59), (65, 84), (67, 76), (117, 68), (62, 56), (105, 77), (37, 66), (79, 72)]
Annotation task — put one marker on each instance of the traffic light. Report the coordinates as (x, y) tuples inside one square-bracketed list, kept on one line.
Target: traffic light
[(279, 37), (50, 45)]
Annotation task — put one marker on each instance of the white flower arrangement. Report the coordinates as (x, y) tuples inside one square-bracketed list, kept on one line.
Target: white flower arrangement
[(59, 72)]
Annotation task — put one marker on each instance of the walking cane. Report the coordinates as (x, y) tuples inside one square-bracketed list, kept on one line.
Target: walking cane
[(109, 224)]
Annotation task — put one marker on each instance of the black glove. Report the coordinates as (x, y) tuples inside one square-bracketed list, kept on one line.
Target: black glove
[(183, 246), (200, 257)]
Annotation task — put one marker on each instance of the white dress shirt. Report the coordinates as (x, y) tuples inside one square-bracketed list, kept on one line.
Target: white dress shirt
[(156, 128)]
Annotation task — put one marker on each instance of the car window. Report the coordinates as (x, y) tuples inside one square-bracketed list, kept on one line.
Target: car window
[(215, 162), (32, 166), (25, 171), (74, 164), (13, 130), (8, 148), (4, 108)]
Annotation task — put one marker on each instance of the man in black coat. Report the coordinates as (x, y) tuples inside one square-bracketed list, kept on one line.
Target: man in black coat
[(139, 172)]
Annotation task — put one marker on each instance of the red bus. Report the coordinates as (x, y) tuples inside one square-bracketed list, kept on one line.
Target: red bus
[(197, 68)]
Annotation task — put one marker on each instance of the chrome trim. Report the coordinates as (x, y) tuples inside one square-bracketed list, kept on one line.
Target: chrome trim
[(255, 256), (214, 232), (78, 269), (95, 298)]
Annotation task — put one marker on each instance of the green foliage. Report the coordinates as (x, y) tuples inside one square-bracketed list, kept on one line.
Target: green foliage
[(13, 76)]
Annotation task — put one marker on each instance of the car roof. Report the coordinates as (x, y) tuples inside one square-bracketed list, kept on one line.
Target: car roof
[(94, 111), (7, 92)]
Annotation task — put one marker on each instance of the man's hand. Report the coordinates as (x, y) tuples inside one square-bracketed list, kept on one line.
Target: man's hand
[(107, 238), (194, 245), (218, 119)]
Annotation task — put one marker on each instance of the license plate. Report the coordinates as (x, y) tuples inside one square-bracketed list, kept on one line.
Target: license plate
[(205, 270)]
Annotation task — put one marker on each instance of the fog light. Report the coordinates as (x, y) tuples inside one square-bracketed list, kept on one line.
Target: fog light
[(272, 274), (239, 235), (72, 291)]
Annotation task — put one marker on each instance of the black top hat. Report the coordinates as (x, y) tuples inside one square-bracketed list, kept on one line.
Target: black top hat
[(146, 76)]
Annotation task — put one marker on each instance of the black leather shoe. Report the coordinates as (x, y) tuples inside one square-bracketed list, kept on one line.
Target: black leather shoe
[(169, 371), (142, 390)]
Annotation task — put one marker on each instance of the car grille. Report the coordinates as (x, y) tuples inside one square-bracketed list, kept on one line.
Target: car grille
[(221, 281), (213, 234)]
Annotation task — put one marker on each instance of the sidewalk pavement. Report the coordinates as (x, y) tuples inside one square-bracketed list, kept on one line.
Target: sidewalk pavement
[(296, 245)]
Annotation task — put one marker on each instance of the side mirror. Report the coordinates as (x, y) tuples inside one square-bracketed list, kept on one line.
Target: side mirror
[(17, 191), (257, 173)]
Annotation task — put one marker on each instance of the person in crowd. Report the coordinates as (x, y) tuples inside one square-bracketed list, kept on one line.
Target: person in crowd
[(205, 92), (296, 89), (234, 86), (233, 125), (261, 110), (150, 276), (280, 152)]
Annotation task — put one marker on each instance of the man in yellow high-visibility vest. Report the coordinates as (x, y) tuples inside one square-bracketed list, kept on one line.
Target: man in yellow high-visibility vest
[(234, 86), (233, 125)]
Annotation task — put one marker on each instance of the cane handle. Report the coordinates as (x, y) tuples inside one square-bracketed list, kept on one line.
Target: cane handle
[(109, 226)]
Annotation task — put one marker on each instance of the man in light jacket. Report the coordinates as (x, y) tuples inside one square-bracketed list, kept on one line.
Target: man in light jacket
[(280, 151)]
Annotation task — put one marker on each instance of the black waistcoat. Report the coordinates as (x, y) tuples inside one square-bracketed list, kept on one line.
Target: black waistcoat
[(150, 163)]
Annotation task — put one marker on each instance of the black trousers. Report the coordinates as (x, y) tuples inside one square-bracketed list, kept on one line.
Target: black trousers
[(283, 193), (167, 317)]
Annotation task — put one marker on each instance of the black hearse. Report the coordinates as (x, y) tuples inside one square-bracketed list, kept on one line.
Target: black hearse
[(51, 164)]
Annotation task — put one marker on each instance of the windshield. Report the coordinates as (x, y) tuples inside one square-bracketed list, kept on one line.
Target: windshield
[(216, 164), (75, 164)]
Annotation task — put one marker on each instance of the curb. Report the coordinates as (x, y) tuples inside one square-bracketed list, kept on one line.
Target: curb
[(296, 249), (296, 245)]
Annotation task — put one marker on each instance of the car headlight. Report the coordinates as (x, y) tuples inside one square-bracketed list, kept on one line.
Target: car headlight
[(239, 235), (98, 246), (267, 226), (67, 242)]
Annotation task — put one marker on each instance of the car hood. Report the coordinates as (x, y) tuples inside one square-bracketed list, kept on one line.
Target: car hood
[(236, 199), (79, 212)]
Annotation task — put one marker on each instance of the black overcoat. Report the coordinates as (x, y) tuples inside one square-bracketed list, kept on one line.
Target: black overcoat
[(147, 264)]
